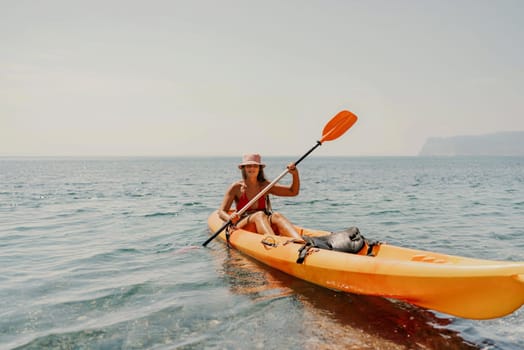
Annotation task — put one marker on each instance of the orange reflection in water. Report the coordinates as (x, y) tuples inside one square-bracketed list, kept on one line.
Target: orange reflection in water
[(337, 320)]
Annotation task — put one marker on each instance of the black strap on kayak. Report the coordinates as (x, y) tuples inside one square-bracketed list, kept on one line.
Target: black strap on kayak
[(305, 250), (302, 252), (228, 235), (371, 245)]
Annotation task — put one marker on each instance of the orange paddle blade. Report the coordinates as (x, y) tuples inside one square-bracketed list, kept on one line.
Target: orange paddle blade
[(338, 125)]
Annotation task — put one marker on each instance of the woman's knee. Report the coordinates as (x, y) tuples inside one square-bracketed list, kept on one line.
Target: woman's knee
[(277, 217), (259, 215)]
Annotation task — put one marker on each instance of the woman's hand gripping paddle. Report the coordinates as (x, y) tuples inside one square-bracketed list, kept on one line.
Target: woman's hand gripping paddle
[(335, 128)]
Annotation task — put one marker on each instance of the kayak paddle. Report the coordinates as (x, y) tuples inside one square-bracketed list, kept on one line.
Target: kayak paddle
[(335, 128)]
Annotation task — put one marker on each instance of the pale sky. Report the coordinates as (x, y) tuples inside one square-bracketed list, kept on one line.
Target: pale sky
[(187, 78)]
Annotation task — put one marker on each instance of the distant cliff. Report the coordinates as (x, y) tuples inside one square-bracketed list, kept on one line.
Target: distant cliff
[(498, 144)]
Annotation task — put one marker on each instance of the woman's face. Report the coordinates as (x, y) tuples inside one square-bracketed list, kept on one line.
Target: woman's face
[(251, 169)]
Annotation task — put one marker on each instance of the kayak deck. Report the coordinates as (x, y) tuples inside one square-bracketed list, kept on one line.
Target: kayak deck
[(459, 286)]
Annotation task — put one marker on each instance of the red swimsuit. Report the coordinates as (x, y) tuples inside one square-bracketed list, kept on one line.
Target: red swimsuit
[(242, 201)]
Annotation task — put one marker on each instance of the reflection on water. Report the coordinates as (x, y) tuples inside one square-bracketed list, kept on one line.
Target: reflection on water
[(333, 320)]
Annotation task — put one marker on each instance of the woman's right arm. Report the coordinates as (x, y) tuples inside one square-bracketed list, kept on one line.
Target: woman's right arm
[(227, 201)]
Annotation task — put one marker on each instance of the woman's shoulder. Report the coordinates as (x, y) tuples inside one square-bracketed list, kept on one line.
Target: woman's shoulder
[(237, 185)]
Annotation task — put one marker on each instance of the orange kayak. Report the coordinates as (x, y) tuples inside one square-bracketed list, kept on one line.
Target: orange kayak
[(459, 286)]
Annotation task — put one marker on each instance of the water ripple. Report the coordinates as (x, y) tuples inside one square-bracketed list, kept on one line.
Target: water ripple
[(107, 253)]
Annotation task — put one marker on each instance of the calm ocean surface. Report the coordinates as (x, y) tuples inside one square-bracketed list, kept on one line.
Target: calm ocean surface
[(106, 253)]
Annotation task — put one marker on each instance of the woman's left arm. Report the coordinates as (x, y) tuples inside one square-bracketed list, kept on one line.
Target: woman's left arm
[(291, 190)]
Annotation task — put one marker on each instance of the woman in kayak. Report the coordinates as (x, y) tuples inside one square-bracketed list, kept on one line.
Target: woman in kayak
[(259, 217)]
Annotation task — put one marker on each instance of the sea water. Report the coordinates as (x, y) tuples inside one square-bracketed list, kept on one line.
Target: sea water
[(107, 253)]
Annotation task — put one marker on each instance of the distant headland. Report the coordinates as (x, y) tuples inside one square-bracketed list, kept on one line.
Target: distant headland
[(510, 143)]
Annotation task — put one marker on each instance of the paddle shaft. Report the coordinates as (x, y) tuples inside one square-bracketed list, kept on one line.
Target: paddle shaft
[(260, 194)]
